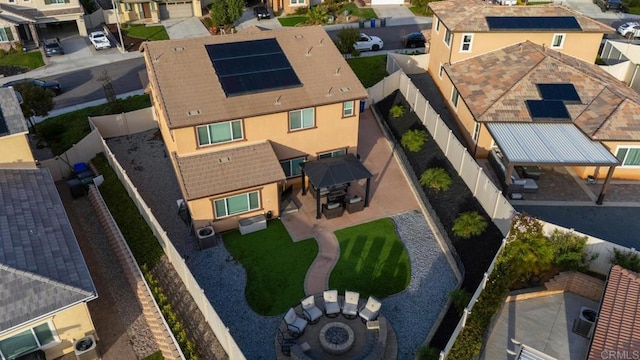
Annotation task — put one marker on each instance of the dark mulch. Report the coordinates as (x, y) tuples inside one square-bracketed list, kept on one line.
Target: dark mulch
[(10, 70), (476, 253), (130, 43)]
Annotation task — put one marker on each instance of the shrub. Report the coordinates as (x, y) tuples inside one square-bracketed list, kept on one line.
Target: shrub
[(208, 23), (347, 37), (529, 252), (50, 130), (302, 10), (413, 140), (469, 224), (627, 259), (436, 178), (460, 298), (396, 111), (317, 15), (569, 251), (428, 353)]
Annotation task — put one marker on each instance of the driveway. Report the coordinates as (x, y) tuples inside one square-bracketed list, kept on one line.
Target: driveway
[(248, 19), (184, 28)]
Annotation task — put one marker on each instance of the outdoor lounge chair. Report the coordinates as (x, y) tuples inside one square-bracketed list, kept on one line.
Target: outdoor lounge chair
[(370, 311), (354, 204), (331, 303), (295, 324), (310, 311), (332, 210), (350, 308), (286, 342)]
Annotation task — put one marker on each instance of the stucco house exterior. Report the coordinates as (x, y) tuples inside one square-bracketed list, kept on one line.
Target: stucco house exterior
[(44, 281), (239, 114), (153, 11), (14, 144)]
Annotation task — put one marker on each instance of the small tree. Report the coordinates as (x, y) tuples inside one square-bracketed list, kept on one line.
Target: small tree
[(528, 251), (396, 111), (569, 251), (469, 224), (413, 140), (317, 15), (224, 13), (460, 298), (347, 37), (436, 178), (36, 101)]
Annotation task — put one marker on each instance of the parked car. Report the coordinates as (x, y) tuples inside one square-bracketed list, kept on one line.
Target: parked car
[(52, 47), (413, 40), (45, 84), (99, 40), (261, 12), (605, 5), (629, 28), (367, 42)]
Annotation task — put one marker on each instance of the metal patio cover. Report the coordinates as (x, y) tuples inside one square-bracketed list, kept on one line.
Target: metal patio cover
[(335, 171)]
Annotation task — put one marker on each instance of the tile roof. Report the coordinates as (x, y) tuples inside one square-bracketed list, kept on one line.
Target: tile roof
[(469, 15), (186, 80), (41, 266), (11, 112), (223, 171), (618, 324), (495, 86)]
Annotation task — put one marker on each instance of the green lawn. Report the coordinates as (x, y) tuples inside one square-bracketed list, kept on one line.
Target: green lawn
[(369, 69), (62, 131), (155, 356), (31, 60), (362, 13), (275, 266), (292, 20), (151, 33), (373, 260), (421, 11), (633, 10)]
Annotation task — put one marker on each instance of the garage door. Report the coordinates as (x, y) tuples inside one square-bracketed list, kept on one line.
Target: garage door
[(175, 10), (387, 2)]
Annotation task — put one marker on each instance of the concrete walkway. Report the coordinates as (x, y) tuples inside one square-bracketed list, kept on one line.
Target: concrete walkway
[(317, 279)]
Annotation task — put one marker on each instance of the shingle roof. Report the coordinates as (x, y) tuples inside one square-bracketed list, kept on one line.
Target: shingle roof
[(186, 80), (618, 324), (11, 114), (41, 267), (495, 86), (222, 171), (469, 15)]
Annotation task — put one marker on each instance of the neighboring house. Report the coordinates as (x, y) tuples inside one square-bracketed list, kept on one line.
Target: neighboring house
[(622, 60), (617, 328), (14, 144), (22, 20), (153, 11), (44, 281), (239, 114)]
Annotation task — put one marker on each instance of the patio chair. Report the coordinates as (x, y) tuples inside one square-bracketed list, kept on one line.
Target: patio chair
[(350, 308), (370, 311), (332, 210), (310, 311), (354, 204), (285, 342), (331, 303), (295, 324)]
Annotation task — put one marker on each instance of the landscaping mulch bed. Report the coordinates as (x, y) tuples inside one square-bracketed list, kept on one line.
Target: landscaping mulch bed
[(10, 70), (476, 253), (130, 43)]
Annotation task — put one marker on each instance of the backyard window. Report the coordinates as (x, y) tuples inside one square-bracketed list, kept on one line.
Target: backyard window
[(347, 108), (437, 25), (455, 95), (330, 154), (292, 167), (301, 119), (467, 39), (440, 71), (476, 132), (220, 132), (558, 41), (629, 156), (237, 204), (447, 37), (26, 341)]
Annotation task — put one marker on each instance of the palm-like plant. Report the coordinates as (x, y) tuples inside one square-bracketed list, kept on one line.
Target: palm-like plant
[(436, 178), (469, 224), (413, 140), (317, 15)]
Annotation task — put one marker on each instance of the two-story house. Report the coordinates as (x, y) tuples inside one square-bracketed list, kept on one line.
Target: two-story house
[(14, 144), (154, 11), (239, 114)]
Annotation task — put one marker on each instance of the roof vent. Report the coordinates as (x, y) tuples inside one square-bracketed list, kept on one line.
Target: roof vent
[(194, 112), (179, 48), (338, 71), (277, 100), (345, 89), (329, 92), (225, 159), (309, 51), (298, 36), (322, 41)]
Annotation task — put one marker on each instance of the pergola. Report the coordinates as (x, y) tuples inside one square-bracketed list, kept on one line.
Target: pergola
[(325, 173)]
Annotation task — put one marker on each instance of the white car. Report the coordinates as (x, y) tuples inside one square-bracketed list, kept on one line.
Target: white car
[(99, 40), (367, 42), (629, 28)]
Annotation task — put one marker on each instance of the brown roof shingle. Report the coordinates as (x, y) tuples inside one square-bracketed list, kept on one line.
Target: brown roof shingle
[(495, 86), (186, 80), (223, 171), (469, 15), (618, 324)]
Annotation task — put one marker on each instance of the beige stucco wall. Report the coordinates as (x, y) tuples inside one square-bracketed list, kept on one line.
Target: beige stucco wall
[(15, 152), (136, 14), (70, 325), (286, 7), (621, 172)]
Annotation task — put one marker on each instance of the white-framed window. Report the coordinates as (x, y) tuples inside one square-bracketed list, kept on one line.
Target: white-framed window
[(140, 9), (628, 156), (467, 40), (302, 119), (55, 1), (447, 37), (437, 25), (12, 1), (297, 2), (27, 341), (476, 132), (220, 132), (455, 96), (127, 6), (237, 204), (292, 167), (558, 41), (440, 71), (348, 108), (5, 34), (334, 153)]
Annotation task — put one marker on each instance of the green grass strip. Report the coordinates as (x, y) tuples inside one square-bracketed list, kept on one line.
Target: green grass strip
[(29, 61), (369, 69)]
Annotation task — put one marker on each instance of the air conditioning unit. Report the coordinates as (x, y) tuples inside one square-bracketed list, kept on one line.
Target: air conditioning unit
[(585, 323), (206, 237), (86, 349)]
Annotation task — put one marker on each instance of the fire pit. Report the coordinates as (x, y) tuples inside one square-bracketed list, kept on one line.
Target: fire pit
[(336, 338)]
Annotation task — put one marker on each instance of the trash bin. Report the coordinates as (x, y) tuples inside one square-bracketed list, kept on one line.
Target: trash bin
[(383, 22), (361, 24), (373, 23)]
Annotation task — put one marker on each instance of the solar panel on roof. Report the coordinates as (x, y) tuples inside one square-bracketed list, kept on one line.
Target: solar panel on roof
[(547, 110), (252, 66), (564, 92), (532, 23)]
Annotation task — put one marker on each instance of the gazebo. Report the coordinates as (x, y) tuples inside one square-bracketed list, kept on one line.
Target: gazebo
[(325, 173)]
